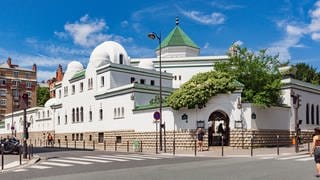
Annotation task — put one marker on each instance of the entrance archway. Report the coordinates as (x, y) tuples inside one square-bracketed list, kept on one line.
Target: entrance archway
[(218, 125)]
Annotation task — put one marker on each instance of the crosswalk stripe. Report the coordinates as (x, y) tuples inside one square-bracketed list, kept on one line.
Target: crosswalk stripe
[(129, 157), (70, 161), (150, 155), (141, 156), (116, 156), (40, 167), (270, 157), (106, 158), (305, 159), (20, 170), (56, 164), (293, 157), (87, 159)]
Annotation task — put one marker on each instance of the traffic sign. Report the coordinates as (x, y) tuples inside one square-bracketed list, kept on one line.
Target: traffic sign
[(156, 115)]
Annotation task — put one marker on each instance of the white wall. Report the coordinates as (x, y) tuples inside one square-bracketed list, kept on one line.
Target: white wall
[(271, 118)]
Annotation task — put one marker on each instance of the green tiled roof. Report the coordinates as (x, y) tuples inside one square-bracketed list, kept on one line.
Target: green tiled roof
[(177, 38), (79, 74)]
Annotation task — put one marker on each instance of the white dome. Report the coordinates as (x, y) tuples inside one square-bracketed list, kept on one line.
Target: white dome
[(106, 52), (73, 67), (146, 64), (50, 102)]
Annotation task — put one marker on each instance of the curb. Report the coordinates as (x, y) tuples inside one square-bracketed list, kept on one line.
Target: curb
[(25, 163)]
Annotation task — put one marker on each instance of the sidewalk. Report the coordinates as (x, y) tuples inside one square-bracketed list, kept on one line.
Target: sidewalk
[(241, 152), (12, 162)]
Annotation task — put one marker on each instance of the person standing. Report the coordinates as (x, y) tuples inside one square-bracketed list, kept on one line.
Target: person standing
[(200, 134), (315, 149)]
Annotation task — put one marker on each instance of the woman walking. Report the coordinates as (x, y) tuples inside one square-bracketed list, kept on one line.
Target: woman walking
[(316, 149)]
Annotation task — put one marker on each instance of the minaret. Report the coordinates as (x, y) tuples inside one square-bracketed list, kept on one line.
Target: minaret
[(178, 44)]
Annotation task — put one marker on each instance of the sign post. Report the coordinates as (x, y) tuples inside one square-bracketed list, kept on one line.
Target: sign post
[(156, 117)]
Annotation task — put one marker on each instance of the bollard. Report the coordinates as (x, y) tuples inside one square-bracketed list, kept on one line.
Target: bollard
[(140, 146), (20, 155), (127, 146), (174, 146), (115, 145), (40, 142), (84, 145), (2, 157), (59, 143), (66, 144), (29, 152), (222, 146), (105, 145), (251, 146), (75, 144), (308, 146), (94, 145), (195, 147), (278, 145)]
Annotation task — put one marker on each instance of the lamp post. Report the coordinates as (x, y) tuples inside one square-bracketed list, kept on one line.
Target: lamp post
[(153, 36)]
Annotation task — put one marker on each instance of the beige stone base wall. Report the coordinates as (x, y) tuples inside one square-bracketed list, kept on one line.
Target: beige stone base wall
[(184, 140)]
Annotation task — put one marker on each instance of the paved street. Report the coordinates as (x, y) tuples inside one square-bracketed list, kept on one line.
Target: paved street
[(110, 165)]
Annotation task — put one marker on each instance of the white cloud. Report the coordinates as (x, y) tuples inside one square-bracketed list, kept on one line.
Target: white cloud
[(294, 33), (223, 5), (315, 36), (239, 43), (89, 32), (124, 24), (208, 19), (206, 45), (45, 75)]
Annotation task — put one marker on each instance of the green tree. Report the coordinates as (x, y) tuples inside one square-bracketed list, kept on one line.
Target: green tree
[(258, 72), (307, 73), (199, 89), (43, 95)]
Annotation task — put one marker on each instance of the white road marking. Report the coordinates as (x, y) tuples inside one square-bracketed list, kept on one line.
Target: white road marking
[(305, 159), (40, 167), (106, 158), (87, 159), (118, 156), (56, 164), (70, 161), (293, 157), (20, 170), (140, 156)]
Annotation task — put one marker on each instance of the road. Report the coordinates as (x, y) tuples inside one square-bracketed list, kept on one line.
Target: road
[(88, 165)]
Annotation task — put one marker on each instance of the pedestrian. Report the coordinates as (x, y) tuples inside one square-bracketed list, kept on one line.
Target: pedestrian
[(315, 149), (200, 134), (50, 139)]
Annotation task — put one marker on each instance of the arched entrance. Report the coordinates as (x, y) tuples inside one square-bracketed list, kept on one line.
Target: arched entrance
[(218, 125)]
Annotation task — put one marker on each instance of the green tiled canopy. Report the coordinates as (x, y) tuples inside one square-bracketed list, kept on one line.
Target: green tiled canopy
[(177, 38)]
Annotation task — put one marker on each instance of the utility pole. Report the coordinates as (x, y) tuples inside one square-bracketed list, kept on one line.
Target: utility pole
[(296, 102), (25, 128)]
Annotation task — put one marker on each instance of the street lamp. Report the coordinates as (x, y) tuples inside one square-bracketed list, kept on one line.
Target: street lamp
[(153, 36)]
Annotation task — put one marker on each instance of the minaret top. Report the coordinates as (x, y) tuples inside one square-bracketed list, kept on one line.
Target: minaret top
[(177, 21)]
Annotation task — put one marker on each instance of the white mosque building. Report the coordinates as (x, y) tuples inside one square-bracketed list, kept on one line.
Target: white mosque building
[(111, 101)]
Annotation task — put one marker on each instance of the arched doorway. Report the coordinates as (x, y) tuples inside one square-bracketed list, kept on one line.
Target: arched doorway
[(218, 125)]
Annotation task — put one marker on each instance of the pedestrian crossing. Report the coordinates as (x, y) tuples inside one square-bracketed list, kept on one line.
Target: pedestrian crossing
[(292, 157), (88, 160)]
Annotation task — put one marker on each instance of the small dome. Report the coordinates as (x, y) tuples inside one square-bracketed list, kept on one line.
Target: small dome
[(73, 67), (50, 102), (146, 64), (106, 52)]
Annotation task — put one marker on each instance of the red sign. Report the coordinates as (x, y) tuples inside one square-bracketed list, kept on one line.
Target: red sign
[(156, 115)]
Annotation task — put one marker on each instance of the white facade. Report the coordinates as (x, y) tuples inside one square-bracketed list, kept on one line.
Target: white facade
[(114, 92)]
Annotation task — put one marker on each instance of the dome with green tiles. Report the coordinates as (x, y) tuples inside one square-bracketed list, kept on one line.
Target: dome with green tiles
[(178, 38)]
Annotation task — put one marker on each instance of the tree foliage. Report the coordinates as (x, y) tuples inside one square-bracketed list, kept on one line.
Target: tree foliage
[(258, 72), (199, 89), (307, 73), (43, 95)]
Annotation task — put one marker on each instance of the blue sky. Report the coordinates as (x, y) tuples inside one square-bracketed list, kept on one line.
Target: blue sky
[(49, 33)]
